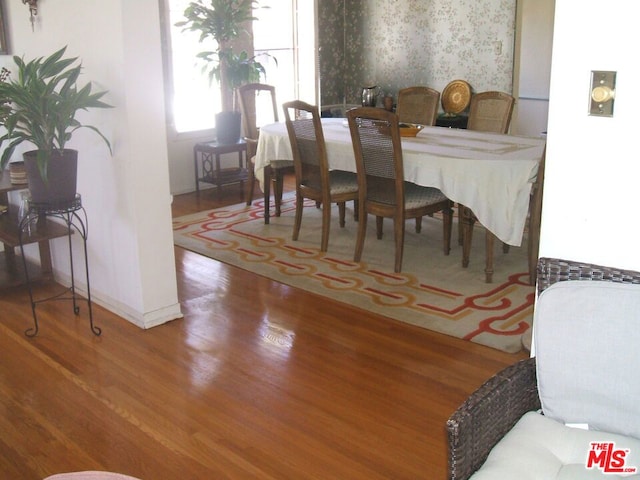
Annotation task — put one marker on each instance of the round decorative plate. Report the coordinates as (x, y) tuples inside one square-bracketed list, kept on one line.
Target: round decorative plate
[(456, 96)]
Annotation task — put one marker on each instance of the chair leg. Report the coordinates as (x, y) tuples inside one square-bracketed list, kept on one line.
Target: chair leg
[(277, 190), (342, 213), (488, 269), (326, 225), (267, 192), (362, 230), (447, 223), (379, 227), (298, 217), (398, 231), (418, 224), (356, 210), (252, 182)]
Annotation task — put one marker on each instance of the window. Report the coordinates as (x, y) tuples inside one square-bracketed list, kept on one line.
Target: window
[(291, 43), (284, 41), (192, 100)]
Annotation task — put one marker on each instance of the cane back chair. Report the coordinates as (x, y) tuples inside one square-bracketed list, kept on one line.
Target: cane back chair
[(383, 192), (314, 179), (258, 105), (418, 105), (488, 112)]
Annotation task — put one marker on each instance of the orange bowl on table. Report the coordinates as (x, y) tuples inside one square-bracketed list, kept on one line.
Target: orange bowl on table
[(410, 129)]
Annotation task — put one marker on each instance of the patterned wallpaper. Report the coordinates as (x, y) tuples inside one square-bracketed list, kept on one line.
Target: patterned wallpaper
[(399, 43)]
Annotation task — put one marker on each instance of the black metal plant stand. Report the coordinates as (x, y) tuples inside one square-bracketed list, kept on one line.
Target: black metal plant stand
[(74, 217)]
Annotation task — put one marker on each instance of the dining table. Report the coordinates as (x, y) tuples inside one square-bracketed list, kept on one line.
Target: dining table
[(490, 173)]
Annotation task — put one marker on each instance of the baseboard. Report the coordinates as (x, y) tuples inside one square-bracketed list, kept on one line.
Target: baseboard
[(144, 320)]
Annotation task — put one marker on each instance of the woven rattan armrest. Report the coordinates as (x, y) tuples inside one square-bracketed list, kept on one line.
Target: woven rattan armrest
[(552, 270), (488, 414)]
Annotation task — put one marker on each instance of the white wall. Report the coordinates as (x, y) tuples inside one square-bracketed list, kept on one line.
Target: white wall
[(532, 66), (591, 182), (127, 198)]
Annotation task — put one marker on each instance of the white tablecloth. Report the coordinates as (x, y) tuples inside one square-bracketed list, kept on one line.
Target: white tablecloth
[(490, 173)]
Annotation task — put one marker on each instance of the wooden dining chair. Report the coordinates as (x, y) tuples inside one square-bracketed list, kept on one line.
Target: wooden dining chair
[(383, 192), (314, 180), (488, 112), (258, 106), (418, 105)]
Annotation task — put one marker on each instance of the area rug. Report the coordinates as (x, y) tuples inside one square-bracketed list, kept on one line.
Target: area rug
[(433, 291)]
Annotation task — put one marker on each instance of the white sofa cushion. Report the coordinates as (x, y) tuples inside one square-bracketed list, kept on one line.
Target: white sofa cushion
[(587, 347), (540, 448)]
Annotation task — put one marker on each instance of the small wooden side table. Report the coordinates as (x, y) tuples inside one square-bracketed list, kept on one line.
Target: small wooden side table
[(10, 231), (206, 162)]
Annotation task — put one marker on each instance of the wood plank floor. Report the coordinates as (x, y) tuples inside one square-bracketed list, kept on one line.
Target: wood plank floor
[(257, 381)]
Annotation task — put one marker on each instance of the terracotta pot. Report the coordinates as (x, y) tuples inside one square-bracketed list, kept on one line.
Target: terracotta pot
[(60, 186)]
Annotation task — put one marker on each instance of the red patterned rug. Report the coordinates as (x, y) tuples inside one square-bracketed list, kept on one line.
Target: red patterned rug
[(433, 291)]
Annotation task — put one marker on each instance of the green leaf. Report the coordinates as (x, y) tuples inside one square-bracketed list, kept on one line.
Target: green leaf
[(41, 105)]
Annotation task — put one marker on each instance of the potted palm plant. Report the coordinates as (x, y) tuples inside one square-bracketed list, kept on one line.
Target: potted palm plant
[(222, 21), (39, 106)]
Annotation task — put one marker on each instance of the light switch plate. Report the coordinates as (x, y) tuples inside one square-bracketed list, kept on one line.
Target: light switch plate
[(602, 93)]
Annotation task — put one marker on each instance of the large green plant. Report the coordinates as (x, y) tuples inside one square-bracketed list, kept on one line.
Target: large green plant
[(40, 106), (222, 21)]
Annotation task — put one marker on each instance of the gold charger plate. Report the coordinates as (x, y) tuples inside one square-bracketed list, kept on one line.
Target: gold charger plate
[(456, 96)]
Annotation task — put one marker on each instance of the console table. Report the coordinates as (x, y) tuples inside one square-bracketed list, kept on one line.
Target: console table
[(206, 162), (452, 121)]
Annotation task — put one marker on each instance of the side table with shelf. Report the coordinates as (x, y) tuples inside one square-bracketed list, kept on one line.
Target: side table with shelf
[(206, 162), (74, 219), (10, 232)]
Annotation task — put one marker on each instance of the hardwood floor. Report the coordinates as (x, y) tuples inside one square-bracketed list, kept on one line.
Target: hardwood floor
[(258, 380)]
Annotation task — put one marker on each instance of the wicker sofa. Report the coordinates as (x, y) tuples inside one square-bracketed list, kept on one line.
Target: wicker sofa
[(499, 407)]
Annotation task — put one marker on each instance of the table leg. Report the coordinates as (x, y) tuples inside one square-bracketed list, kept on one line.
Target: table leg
[(240, 168), (467, 220), (45, 258), (218, 176), (488, 269), (195, 167), (10, 257)]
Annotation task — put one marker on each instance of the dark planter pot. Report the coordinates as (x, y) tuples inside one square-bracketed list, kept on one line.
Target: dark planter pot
[(60, 185), (228, 127)]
